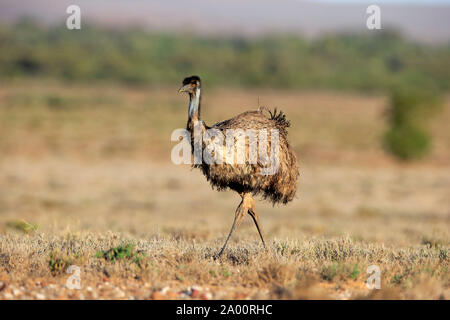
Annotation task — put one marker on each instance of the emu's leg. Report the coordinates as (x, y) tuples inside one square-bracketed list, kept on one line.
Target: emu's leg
[(241, 210), (254, 215)]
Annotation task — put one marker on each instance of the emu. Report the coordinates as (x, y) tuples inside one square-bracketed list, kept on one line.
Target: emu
[(246, 179)]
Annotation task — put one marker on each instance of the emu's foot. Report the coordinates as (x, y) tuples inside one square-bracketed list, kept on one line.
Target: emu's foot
[(217, 255)]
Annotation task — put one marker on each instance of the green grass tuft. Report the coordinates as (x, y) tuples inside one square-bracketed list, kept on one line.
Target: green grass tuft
[(125, 251), (23, 226)]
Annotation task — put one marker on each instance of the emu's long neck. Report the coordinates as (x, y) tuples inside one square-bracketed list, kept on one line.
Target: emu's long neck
[(194, 106), (195, 126)]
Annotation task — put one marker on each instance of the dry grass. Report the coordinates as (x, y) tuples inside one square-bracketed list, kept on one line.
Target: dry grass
[(323, 268), (84, 170)]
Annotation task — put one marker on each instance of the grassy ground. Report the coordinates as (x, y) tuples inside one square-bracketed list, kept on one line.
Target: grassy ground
[(87, 169)]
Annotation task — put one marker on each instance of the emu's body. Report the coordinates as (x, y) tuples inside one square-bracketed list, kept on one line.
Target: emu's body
[(246, 179)]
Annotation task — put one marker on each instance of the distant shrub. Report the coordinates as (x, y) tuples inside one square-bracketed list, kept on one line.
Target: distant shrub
[(407, 142), (407, 137)]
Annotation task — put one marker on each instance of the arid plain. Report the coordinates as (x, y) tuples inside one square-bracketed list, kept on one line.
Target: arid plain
[(87, 169)]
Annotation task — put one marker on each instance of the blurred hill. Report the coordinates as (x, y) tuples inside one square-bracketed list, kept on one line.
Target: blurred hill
[(425, 21), (367, 62)]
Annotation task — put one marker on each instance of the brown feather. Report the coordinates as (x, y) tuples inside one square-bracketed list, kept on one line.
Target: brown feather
[(242, 178)]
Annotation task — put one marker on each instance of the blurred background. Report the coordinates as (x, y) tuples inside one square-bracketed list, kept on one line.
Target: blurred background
[(86, 115)]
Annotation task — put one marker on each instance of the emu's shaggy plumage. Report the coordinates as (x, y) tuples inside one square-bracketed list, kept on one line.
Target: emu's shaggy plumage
[(246, 178)]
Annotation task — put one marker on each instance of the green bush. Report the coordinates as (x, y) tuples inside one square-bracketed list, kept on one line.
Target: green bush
[(407, 142), (408, 112)]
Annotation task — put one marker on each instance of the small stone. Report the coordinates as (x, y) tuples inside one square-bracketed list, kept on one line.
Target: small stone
[(185, 292), (195, 293), (240, 296), (164, 290), (8, 296), (157, 296), (40, 296), (120, 293), (206, 296)]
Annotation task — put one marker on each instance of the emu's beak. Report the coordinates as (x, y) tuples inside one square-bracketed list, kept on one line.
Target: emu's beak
[(183, 89)]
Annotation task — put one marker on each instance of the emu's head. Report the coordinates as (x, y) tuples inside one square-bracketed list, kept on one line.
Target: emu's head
[(190, 85)]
